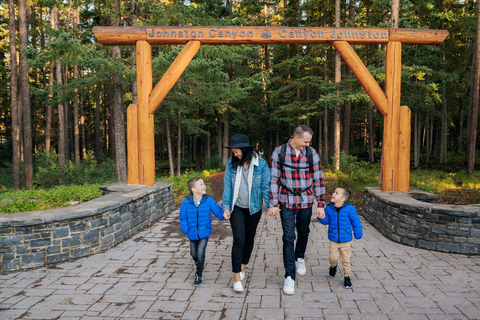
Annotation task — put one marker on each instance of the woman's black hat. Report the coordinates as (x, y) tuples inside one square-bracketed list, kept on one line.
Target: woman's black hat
[(239, 141)]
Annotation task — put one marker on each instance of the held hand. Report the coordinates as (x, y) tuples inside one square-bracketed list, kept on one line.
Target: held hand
[(226, 214), (273, 211), (321, 213)]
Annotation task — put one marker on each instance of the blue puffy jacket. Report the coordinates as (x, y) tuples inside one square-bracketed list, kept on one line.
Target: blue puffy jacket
[(195, 221), (341, 224)]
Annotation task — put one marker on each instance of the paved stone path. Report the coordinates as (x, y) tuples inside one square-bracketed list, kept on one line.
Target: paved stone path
[(150, 276)]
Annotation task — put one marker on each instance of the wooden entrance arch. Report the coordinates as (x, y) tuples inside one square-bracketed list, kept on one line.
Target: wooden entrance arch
[(396, 128)]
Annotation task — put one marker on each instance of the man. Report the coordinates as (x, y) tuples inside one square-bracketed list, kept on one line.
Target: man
[(295, 169)]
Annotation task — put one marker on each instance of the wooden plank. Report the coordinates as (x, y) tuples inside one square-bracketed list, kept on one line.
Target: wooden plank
[(132, 145), (391, 124), (404, 151), (174, 72), (364, 76), (146, 142), (418, 36), (262, 35)]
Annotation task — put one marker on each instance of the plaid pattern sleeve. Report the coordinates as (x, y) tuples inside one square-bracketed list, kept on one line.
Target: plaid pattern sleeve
[(291, 185), (318, 183)]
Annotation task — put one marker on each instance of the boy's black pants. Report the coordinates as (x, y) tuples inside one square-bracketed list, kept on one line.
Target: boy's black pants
[(197, 250)]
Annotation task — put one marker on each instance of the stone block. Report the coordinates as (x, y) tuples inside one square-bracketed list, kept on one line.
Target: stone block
[(107, 239), (445, 218), (469, 249), (438, 229), (73, 241), (401, 232), (23, 230), (32, 236), (91, 236), (464, 220), (33, 260), (430, 245), (5, 249), (98, 222), (410, 242), (11, 240), (474, 240), (6, 231), (430, 237), (10, 265), (116, 218), (58, 258), (8, 256), (475, 232), (119, 236), (80, 252), (60, 232), (22, 249), (41, 242), (54, 249), (460, 239), (448, 247), (77, 226), (457, 233)]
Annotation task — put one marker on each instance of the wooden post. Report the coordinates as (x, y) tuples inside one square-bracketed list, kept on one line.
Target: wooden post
[(361, 72), (132, 145), (171, 76), (404, 151), (145, 125), (391, 122)]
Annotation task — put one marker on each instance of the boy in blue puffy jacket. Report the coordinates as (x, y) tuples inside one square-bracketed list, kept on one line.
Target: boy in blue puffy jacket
[(196, 223), (342, 220)]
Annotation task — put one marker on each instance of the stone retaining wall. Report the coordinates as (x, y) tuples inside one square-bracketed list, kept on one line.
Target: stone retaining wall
[(402, 217), (34, 239)]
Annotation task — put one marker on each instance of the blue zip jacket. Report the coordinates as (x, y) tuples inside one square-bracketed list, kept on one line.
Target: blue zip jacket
[(341, 224), (195, 221), (259, 185)]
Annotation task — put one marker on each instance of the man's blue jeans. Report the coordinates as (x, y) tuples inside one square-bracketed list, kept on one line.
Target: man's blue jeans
[(197, 250), (291, 219)]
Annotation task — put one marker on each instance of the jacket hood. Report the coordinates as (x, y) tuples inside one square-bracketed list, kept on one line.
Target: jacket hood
[(190, 198), (331, 204)]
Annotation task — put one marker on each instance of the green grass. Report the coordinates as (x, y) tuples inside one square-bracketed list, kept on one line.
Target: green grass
[(43, 199)]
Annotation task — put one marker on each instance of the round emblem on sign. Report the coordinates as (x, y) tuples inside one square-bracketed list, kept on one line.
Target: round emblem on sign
[(266, 34)]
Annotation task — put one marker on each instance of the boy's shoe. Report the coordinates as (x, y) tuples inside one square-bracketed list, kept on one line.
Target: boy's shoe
[(347, 283), (332, 271), (289, 285), (238, 287), (198, 280), (242, 275), (301, 268)]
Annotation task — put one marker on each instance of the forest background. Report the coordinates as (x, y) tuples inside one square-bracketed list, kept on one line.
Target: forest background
[(63, 99)]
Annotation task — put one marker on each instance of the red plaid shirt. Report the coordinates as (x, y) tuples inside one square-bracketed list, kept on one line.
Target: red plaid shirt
[(296, 180)]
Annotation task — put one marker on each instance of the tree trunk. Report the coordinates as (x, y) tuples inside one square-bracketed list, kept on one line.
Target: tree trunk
[(395, 13), (119, 122), (25, 94), (219, 138), (76, 119), (83, 140), (48, 126), (346, 126), (15, 107), (444, 132), (198, 153), (179, 145), (416, 140), (371, 133), (325, 118), (98, 146), (460, 127), (226, 152), (337, 110), (476, 87), (169, 147), (320, 135)]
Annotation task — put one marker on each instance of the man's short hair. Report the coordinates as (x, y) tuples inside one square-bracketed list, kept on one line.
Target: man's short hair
[(346, 193), (191, 183), (301, 129)]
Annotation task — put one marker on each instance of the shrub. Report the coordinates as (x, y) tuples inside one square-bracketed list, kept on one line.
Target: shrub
[(215, 162), (180, 187)]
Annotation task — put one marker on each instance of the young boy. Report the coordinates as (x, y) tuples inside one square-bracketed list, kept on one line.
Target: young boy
[(196, 223), (341, 218)]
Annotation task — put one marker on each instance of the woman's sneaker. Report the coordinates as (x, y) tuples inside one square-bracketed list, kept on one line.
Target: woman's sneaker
[(301, 268), (332, 271), (198, 280), (242, 275), (238, 287), (347, 283)]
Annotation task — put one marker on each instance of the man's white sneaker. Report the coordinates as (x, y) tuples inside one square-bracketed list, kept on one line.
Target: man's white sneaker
[(301, 268), (242, 275), (237, 286), (289, 285)]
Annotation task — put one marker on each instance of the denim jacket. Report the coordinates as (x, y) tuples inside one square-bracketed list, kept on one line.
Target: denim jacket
[(258, 185)]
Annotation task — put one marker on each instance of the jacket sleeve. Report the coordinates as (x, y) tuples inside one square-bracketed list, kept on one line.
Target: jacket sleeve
[(265, 183), (217, 210), (184, 217), (356, 223), (227, 187), (275, 178)]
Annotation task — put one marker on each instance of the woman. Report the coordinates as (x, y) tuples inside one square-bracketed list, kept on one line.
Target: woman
[(247, 179)]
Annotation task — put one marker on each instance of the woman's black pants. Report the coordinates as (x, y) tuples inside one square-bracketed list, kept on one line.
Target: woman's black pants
[(244, 225)]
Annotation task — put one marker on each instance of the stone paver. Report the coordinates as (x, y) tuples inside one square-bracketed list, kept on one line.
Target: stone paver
[(150, 276)]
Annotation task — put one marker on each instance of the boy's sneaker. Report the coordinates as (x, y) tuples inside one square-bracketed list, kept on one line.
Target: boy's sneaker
[(332, 271), (289, 285), (347, 283), (198, 280), (301, 268)]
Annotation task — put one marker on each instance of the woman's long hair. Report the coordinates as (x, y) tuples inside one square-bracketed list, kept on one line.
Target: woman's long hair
[(247, 155)]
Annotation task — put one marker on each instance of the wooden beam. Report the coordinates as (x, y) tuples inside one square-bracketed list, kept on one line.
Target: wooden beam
[(263, 35), (404, 150), (391, 122), (145, 126), (365, 78), (171, 76), (132, 145)]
